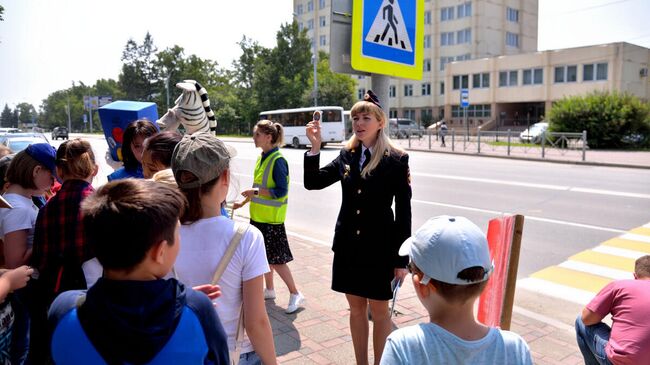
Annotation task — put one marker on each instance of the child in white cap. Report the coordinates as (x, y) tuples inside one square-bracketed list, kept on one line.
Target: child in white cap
[(450, 265)]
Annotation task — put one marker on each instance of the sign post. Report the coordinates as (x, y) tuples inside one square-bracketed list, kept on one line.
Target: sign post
[(464, 103)]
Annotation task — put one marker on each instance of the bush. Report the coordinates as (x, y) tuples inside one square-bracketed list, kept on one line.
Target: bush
[(612, 120)]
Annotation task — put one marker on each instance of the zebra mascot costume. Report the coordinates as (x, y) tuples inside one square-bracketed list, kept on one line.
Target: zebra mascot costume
[(192, 110)]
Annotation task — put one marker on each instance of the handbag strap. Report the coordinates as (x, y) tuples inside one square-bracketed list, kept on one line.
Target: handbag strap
[(230, 251)]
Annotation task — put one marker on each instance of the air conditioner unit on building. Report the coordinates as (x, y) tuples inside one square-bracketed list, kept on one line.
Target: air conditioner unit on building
[(643, 72)]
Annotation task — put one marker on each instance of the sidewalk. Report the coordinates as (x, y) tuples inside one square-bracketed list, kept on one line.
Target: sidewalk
[(614, 158), (319, 332)]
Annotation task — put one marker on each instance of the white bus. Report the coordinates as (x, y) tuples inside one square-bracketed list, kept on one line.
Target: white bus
[(295, 120)]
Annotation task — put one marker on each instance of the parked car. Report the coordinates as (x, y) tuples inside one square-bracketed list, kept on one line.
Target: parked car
[(533, 134), (19, 141), (403, 128), (9, 130), (59, 132)]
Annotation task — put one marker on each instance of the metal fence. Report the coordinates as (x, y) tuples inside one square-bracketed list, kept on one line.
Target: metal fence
[(549, 145)]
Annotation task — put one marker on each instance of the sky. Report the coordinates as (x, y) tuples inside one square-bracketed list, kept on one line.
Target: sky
[(45, 45)]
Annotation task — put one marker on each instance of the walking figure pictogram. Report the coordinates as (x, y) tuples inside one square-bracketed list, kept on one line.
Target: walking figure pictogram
[(388, 28)]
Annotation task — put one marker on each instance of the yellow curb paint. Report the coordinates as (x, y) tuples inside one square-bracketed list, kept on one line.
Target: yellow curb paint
[(641, 230), (572, 278), (628, 245), (606, 260)]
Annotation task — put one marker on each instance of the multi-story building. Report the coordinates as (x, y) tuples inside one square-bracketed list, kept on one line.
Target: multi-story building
[(517, 90), (454, 30)]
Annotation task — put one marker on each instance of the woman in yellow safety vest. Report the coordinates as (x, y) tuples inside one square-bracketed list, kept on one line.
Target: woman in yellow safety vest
[(268, 208)]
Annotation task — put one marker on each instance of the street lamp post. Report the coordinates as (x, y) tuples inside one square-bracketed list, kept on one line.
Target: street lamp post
[(315, 73)]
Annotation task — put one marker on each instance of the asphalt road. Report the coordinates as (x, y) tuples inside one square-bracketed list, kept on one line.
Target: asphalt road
[(568, 208)]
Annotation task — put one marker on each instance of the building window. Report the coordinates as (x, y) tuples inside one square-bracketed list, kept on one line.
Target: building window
[(323, 40), (322, 21), (473, 111), (426, 114), (427, 17), (301, 26), (444, 61), (392, 113), (464, 36), (447, 38), (426, 65), (512, 39), (447, 13), (409, 114), (463, 57), (408, 90), (460, 82), (299, 9), (588, 73), (464, 10), (513, 15), (533, 76), (391, 91), (442, 88), (310, 24), (566, 74), (481, 80), (361, 92), (426, 89), (321, 4), (508, 78), (427, 41), (310, 6)]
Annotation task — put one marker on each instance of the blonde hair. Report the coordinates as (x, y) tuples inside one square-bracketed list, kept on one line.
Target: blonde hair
[(383, 145), (166, 177), (274, 129)]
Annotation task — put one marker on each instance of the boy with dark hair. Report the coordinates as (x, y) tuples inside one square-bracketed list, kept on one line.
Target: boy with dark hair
[(132, 315), (628, 340), (450, 265)]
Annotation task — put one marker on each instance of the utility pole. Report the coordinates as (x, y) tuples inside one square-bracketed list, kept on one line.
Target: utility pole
[(315, 72), (68, 110)]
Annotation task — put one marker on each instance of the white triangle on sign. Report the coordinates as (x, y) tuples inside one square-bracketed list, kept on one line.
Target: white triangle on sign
[(388, 28)]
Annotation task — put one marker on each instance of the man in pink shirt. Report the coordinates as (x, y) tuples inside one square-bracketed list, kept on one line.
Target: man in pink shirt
[(628, 301)]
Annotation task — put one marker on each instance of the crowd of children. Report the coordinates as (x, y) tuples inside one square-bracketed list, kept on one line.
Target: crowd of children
[(75, 293)]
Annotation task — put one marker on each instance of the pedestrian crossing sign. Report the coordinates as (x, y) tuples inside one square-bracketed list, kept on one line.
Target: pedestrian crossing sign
[(388, 37)]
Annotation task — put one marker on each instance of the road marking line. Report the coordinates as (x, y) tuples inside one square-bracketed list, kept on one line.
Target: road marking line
[(555, 290), (597, 270), (635, 237), (527, 217), (620, 252), (572, 278), (628, 245), (641, 231), (575, 189)]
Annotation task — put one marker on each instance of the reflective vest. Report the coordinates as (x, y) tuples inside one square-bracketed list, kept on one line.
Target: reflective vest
[(187, 345), (265, 209)]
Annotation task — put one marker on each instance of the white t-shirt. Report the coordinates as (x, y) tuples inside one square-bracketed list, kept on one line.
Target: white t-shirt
[(428, 343), (21, 216), (203, 243)]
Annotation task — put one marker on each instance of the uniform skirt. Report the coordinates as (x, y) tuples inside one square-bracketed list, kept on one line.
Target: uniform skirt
[(276, 242), (361, 277)]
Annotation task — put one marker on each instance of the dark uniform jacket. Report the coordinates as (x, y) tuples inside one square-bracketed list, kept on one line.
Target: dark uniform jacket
[(366, 228)]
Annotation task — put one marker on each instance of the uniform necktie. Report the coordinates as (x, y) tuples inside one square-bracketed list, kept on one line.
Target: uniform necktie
[(366, 153)]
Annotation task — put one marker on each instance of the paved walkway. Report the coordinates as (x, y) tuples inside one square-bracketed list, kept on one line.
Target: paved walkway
[(319, 332)]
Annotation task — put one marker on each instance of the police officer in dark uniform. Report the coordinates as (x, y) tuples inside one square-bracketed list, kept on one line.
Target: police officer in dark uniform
[(367, 237)]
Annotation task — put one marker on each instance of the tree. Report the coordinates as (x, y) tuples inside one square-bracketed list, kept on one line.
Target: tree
[(26, 112), (281, 78), (245, 102), (139, 77), (5, 117), (333, 88), (612, 120), (2, 10)]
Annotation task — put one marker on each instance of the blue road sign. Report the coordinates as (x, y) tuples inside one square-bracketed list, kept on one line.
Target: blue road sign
[(388, 37), (464, 98)]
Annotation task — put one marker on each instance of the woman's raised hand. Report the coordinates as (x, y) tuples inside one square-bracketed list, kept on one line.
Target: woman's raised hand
[(314, 136)]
